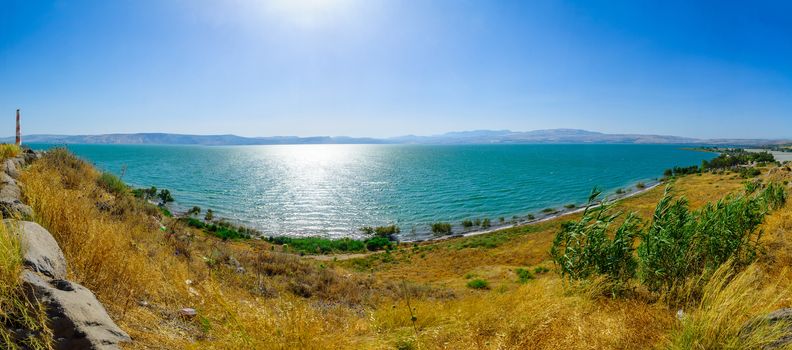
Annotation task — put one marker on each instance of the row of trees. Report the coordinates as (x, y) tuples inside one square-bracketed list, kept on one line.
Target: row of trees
[(727, 159), (734, 157)]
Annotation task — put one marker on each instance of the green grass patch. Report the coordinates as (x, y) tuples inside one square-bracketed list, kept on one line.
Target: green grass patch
[(483, 241), (318, 245), (221, 229), (112, 184), (478, 283), (523, 275)]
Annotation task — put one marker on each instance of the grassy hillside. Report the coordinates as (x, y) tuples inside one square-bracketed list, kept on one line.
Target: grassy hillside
[(496, 291)]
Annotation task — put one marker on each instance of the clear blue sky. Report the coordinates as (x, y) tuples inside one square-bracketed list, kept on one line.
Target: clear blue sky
[(385, 68)]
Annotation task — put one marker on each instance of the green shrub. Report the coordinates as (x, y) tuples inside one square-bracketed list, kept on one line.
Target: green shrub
[(467, 223), (442, 228), (640, 185), (145, 193), (318, 245), (584, 248), (681, 244), (486, 223), (774, 196), (478, 284), (165, 211), (381, 231), (750, 172), (678, 246), (194, 211), (112, 184), (523, 275), (378, 243), (540, 270)]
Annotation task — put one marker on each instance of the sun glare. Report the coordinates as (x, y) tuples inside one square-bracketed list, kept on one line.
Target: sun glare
[(308, 13)]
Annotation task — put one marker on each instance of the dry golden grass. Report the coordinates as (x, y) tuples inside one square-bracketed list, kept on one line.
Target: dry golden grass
[(731, 311), (116, 248), (16, 311), (8, 150), (114, 245)]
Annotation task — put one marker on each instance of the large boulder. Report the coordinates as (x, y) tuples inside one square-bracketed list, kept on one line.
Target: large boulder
[(10, 168), (77, 320), (41, 252)]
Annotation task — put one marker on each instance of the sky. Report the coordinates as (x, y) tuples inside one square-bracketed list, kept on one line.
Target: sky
[(380, 68)]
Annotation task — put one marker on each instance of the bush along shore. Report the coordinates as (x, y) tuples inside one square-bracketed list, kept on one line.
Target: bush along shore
[(379, 238), (386, 237)]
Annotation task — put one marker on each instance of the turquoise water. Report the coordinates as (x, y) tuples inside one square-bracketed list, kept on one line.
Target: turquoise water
[(332, 190)]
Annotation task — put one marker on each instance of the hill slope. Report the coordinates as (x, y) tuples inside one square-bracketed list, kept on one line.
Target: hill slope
[(145, 267), (455, 138)]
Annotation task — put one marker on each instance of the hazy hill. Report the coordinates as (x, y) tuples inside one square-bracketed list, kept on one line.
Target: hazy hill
[(450, 138)]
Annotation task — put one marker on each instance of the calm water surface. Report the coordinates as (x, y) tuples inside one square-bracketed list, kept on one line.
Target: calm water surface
[(332, 190)]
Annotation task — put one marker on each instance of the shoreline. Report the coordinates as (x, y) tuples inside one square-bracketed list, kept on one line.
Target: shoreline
[(536, 221), (430, 237)]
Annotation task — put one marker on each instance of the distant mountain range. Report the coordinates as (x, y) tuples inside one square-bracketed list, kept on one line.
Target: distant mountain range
[(451, 138)]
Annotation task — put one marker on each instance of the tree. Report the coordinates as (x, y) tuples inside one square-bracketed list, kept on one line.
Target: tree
[(150, 193), (209, 215), (194, 211), (165, 196)]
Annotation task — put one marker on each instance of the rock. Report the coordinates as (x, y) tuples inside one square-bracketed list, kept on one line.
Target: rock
[(188, 312), (10, 192), (30, 155), (14, 208), (41, 252), (236, 265), (10, 168), (11, 204), (5, 179), (77, 319), (785, 316), (19, 161)]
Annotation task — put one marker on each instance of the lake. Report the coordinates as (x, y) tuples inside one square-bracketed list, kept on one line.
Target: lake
[(333, 190)]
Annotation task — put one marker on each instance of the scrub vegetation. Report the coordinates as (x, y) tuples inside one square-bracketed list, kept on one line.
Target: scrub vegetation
[(9, 150), (500, 290)]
